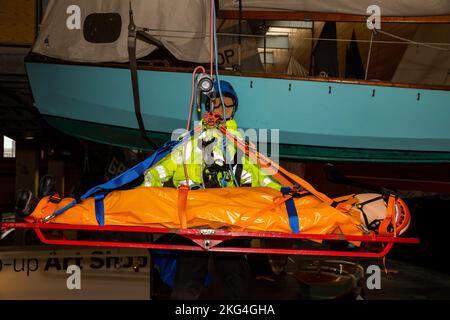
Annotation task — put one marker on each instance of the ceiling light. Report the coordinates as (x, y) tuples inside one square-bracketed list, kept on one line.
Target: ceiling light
[(275, 31)]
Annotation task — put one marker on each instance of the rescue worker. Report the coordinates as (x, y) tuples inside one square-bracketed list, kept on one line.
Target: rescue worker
[(211, 163), (206, 162)]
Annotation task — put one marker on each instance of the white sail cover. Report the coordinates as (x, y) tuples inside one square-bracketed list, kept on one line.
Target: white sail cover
[(190, 16), (357, 7)]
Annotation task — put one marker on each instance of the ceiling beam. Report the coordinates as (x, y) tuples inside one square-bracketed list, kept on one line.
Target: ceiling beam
[(320, 16)]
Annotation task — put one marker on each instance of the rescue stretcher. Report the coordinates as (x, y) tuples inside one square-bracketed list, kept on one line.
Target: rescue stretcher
[(268, 214)]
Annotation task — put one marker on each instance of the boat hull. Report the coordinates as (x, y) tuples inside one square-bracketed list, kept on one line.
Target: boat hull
[(319, 120)]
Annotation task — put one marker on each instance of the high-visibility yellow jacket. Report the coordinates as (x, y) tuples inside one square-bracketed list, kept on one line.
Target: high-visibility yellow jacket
[(203, 149)]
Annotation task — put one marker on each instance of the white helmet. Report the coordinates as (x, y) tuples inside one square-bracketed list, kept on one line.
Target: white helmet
[(386, 216)]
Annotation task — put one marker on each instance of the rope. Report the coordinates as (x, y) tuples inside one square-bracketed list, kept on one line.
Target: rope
[(193, 93), (240, 32), (412, 41), (225, 145), (432, 45), (191, 105), (188, 125), (212, 23), (368, 56)]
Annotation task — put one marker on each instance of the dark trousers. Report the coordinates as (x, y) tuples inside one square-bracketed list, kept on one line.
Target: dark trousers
[(192, 267)]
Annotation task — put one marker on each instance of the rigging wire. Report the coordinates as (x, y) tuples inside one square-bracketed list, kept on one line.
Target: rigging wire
[(225, 144), (193, 93), (409, 40), (368, 56), (200, 35), (211, 38), (240, 32), (432, 45)]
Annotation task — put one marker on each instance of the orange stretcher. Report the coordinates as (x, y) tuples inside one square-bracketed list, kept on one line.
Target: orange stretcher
[(211, 216), (234, 209)]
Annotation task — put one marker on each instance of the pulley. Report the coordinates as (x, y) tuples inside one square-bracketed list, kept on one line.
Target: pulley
[(204, 87)]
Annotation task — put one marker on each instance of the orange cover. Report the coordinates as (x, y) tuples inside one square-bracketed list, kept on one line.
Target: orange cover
[(250, 209)]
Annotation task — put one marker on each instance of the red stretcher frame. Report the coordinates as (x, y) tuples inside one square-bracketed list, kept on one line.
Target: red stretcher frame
[(209, 239)]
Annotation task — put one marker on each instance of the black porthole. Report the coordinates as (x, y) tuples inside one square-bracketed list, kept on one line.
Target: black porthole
[(102, 27)]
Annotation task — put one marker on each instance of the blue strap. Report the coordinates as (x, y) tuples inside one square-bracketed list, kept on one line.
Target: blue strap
[(133, 173), (100, 209), (292, 211), (129, 175)]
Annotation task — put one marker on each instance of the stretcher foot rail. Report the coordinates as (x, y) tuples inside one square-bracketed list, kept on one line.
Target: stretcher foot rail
[(211, 240)]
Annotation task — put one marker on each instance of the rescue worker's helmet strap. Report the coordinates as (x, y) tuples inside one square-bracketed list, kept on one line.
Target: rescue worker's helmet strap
[(227, 91), (217, 107)]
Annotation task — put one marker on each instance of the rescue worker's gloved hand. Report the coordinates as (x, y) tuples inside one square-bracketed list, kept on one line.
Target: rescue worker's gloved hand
[(207, 144)]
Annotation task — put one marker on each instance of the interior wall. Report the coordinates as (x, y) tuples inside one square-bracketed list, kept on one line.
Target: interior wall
[(7, 180), (17, 22), (426, 65), (385, 57)]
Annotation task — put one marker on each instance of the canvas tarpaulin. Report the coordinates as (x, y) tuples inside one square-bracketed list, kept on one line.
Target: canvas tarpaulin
[(190, 16), (359, 7)]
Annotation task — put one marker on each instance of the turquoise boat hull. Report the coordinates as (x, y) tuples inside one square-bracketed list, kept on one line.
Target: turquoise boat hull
[(317, 120)]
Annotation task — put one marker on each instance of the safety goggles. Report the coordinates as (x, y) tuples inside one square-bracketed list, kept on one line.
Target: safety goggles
[(229, 103)]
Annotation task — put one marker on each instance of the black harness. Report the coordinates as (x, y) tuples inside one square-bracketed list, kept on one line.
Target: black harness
[(212, 171), (360, 205)]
